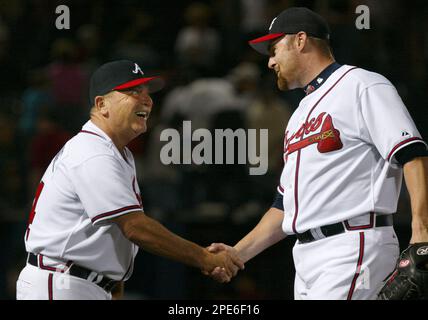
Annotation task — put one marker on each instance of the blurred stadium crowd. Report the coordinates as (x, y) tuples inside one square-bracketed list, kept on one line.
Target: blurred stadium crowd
[(213, 79)]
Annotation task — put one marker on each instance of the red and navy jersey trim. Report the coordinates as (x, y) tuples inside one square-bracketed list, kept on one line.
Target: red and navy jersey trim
[(410, 140), (115, 212), (45, 267), (319, 80), (366, 226), (42, 266)]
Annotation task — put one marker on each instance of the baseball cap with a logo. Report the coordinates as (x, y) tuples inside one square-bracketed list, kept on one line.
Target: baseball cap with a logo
[(120, 75), (292, 21)]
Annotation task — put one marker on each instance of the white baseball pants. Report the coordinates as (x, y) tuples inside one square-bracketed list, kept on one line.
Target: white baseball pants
[(37, 284), (348, 266)]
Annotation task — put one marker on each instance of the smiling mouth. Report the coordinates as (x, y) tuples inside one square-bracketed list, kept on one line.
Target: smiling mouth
[(142, 114)]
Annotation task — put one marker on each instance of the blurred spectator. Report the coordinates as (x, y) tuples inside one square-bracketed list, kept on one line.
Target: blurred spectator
[(264, 109), (68, 83), (66, 74), (253, 16), (200, 100), (35, 97), (88, 38), (269, 111), (132, 43), (245, 79), (198, 45), (46, 143)]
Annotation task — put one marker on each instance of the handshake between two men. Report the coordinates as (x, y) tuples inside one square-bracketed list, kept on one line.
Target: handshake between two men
[(225, 271), (266, 233)]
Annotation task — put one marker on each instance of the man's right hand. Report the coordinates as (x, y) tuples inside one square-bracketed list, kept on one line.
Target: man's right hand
[(218, 273), (222, 265)]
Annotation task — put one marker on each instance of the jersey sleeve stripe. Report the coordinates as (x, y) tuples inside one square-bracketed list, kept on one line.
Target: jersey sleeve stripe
[(280, 190), (114, 212), (402, 144)]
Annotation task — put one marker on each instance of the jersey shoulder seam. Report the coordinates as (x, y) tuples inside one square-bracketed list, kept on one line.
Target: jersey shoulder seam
[(92, 157), (362, 91), (365, 83), (376, 84)]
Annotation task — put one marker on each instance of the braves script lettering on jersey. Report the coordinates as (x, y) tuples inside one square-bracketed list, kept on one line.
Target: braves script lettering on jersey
[(339, 151), (70, 201)]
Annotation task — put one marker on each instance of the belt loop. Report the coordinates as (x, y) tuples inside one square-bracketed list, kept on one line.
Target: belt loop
[(314, 233), (344, 224), (99, 278), (67, 267), (317, 233), (374, 219), (92, 276)]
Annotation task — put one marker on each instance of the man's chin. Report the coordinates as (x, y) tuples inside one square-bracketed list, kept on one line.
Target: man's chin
[(282, 85), (140, 130), (143, 130)]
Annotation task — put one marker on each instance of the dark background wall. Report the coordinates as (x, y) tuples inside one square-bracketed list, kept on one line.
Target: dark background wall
[(43, 102)]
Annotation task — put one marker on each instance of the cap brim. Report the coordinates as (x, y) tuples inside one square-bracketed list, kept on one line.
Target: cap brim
[(154, 84), (261, 44)]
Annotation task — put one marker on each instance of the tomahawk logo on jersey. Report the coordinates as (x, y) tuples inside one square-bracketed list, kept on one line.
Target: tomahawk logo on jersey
[(327, 140)]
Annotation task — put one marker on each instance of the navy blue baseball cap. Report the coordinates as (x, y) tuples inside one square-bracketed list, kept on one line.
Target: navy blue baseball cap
[(292, 21), (120, 75)]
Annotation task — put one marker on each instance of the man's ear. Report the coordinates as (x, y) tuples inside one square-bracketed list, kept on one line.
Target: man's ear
[(301, 40), (100, 105)]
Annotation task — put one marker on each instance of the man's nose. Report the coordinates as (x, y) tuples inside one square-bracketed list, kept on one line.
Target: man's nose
[(146, 99), (144, 95), (271, 63)]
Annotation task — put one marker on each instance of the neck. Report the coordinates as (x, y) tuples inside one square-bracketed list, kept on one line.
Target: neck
[(313, 68), (119, 142)]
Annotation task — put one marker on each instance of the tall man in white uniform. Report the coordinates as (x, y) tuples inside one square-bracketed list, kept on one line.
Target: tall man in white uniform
[(345, 150), (87, 219)]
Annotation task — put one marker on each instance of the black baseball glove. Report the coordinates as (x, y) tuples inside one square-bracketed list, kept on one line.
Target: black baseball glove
[(409, 280)]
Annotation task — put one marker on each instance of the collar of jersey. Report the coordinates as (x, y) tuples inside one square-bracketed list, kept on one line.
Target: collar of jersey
[(320, 79), (92, 128)]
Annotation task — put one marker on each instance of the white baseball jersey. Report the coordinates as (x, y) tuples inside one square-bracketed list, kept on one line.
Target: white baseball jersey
[(86, 184), (339, 151)]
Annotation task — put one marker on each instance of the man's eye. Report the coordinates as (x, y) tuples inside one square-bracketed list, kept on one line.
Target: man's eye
[(135, 92)]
